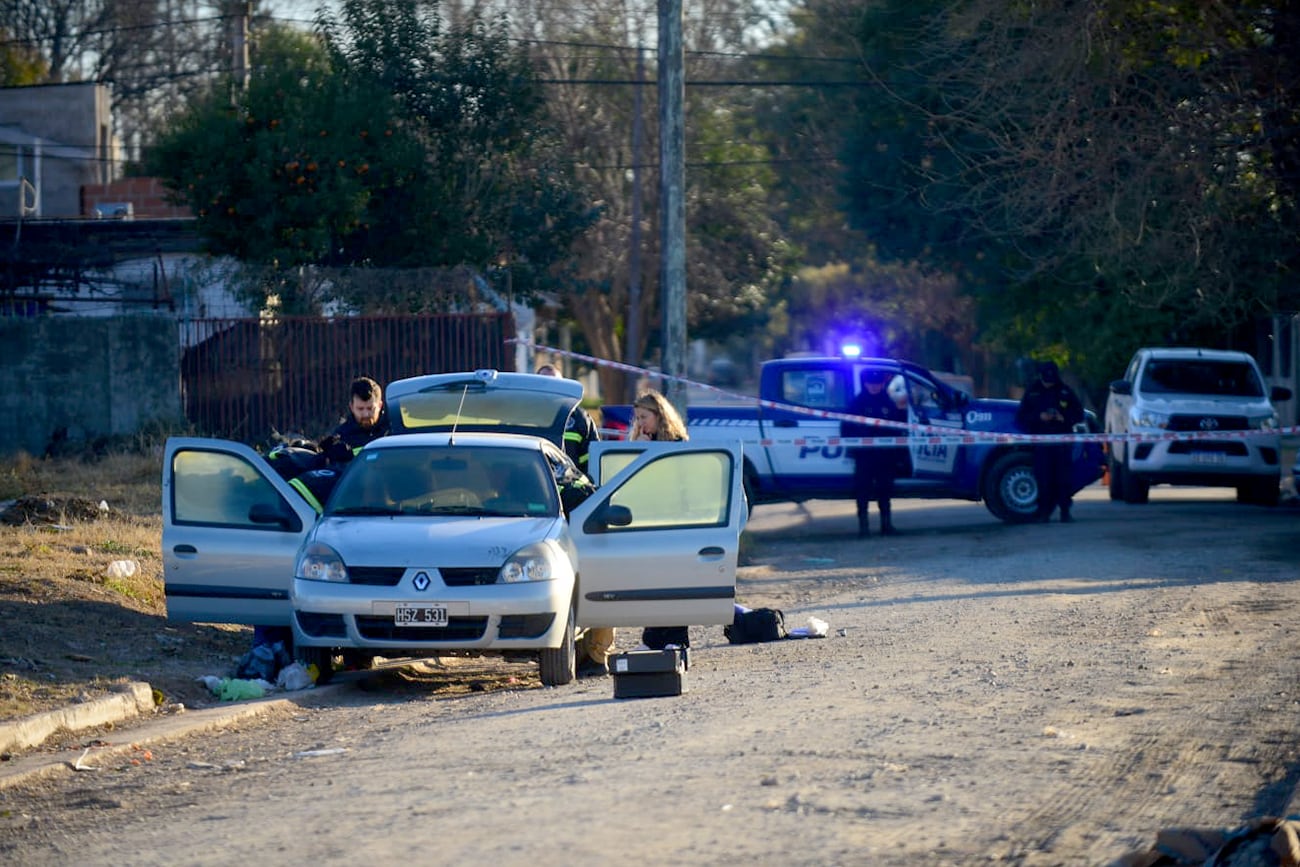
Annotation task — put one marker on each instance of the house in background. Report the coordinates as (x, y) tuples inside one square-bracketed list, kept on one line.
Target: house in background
[(54, 139)]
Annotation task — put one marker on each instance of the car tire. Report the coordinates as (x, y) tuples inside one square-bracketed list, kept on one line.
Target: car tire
[(1010, 489), (1133, 489), (559, 665), (1260, 492), (1116, 471), (322, 658)]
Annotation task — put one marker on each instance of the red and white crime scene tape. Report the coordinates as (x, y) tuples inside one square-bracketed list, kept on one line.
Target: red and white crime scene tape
[(919, 433)]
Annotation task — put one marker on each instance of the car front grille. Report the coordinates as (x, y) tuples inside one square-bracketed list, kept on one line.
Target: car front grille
[(376, 576), (390, 576), (1207, 423), (321, 625), (457, 629), (470, 577)]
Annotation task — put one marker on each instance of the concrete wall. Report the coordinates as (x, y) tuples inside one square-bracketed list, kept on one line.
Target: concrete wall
[(75, 123), (94, 377)]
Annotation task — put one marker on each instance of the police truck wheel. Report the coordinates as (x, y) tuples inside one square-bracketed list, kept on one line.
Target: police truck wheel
[(1010, 489), (559, 665)]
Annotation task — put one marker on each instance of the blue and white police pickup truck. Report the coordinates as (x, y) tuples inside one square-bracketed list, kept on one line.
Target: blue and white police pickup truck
[(792, 449)]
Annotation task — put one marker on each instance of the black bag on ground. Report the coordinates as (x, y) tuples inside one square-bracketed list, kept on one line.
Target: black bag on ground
[(659, 637), (755, 625)]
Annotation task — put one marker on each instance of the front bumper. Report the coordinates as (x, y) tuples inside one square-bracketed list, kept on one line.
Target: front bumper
[(523, 616), (1206, 461)]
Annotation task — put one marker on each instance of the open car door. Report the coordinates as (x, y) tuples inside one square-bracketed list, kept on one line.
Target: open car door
[(658, 541), (231, 531)]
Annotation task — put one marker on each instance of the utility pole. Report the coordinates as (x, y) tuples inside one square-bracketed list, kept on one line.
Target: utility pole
[(633, 352), (672, 198), (240, 12)]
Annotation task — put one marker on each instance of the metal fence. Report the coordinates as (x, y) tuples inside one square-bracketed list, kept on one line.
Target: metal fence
[(247, 379)]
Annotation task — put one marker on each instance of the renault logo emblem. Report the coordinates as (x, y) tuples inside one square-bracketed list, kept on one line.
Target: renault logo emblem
[(421, 581), (1209, 423)]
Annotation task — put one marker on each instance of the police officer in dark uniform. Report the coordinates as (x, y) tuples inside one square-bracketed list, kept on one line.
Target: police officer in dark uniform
[(1051, 407), (367, 420), (579, 430), (875, 467)]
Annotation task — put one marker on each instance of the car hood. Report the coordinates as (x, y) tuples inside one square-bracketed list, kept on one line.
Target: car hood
[(429, 541), (1202, 405)]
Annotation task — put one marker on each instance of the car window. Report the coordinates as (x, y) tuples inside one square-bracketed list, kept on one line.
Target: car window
[(821, 388), (1201, 376), (512, 408), (681, 490), (216, 488)]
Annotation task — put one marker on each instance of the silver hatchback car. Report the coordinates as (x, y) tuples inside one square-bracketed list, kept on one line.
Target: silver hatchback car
[(449, 536)]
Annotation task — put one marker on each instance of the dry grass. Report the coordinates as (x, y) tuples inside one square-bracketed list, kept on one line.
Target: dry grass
[(71, 630)]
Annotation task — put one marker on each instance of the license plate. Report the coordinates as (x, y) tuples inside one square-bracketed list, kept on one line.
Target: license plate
[(420, 615), (1208, 458)]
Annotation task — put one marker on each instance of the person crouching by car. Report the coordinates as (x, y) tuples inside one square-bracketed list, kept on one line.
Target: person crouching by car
[(366, 421)]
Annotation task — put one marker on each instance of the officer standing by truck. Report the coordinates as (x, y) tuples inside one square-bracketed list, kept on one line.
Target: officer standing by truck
[(875, 467), (1051, 407)]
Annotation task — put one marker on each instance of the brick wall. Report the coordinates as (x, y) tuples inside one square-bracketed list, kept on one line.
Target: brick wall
[(146, 195)]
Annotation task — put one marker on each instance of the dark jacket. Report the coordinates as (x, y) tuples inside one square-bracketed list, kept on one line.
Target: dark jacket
[(880, 406), (1039, 398), (348, 438), (579, 433)]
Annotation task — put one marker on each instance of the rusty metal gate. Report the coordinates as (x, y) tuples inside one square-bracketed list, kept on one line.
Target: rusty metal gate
[(247, 379)]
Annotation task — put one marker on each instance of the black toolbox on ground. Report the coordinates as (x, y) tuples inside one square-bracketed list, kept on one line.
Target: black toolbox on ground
[(649, 673)]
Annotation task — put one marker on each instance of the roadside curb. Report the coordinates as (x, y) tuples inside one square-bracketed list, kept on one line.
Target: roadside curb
[(150, 730), (133, 699)]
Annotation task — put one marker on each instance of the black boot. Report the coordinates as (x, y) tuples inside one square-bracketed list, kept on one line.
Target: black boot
[(887, 520), (864, 526)]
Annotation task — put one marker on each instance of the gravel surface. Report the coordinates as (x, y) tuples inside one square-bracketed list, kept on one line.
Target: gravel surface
[(1037, 695)]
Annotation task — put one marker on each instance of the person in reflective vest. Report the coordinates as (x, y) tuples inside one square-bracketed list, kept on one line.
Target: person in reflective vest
[(579, 430)]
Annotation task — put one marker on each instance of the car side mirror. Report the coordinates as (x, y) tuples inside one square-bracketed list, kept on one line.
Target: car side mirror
[(608, 515), (1121, 386), (1280, 393), (960, 399), (277, 514)]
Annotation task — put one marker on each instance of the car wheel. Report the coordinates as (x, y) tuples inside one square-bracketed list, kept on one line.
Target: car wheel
[(1115, 470), (322, 658), (1260, 492), (1133, 489), (559, 665), (1010, 489)]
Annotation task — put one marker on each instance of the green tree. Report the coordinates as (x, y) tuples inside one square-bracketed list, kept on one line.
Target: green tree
[(385, 142)]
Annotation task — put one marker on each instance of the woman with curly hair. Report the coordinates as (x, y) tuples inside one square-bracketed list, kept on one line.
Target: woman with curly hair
[(654, 418)]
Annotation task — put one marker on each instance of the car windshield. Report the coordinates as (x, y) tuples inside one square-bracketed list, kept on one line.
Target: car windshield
[(1201, 376), (447, 480)]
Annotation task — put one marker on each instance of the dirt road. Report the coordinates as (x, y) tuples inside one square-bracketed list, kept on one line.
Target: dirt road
[(1038, 695)]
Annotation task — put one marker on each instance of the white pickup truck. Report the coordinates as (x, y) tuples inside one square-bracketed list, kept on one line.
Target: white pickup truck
[(1219, 399)]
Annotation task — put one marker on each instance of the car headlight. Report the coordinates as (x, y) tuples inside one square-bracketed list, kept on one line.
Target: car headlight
[(530, 563), (320, 562), (1147, 418), (1264, 422)]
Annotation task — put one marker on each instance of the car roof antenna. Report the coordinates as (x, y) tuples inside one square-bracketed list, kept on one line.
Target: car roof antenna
[(451, 439)]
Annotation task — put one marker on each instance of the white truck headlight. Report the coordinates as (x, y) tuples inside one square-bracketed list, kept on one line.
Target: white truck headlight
[(320, 562), (530, 563), (1264, 422), (1147, 418)]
